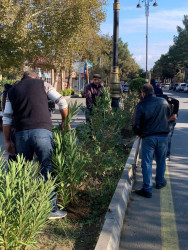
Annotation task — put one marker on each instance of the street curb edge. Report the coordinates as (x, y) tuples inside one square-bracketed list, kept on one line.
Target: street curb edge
[(109, 238)]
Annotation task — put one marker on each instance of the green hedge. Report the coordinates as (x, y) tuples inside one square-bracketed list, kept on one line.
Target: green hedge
[(4, 81), (136, 84), (67, 92)]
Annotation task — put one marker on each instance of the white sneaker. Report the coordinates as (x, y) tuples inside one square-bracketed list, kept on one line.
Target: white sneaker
[(57, 215)]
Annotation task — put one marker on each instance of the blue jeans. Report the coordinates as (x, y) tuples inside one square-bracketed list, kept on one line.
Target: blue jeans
[(171, 131), (155, 144), (40, 142)]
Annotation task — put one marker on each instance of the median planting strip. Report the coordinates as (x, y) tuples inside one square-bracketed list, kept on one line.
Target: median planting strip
[(110, 235)]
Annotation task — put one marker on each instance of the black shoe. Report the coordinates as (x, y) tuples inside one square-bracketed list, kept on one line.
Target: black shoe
[(143, 192), (159, 186)]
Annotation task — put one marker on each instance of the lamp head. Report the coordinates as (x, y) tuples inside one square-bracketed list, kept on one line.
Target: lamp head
[(138, 6), (155, 4)]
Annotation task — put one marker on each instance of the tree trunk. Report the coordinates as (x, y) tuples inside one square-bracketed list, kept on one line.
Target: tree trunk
[(57, 73), (69, 83)]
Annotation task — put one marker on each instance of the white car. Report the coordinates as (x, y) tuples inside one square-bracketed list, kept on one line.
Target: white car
[(186, 88), (181, 87), (167, 84)]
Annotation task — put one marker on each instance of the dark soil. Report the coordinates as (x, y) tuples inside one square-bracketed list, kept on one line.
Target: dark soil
[(127, 133)]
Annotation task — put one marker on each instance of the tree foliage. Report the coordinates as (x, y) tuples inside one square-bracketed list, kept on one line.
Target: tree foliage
[(176, 59), (136, 85), (129, 69), (56, 30)]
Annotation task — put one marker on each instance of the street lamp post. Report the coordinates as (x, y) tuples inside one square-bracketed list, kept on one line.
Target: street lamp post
[(147, 15), (114, 81)]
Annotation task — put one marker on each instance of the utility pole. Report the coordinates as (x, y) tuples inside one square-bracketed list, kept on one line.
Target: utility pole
[(147, 15)]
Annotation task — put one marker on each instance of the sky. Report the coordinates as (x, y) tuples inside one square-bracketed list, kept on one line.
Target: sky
[(162, 27)]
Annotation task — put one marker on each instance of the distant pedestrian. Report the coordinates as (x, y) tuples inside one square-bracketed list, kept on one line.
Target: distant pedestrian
[(27, 103), (157, 91), (174, 108), (92, 90), (150, 122)]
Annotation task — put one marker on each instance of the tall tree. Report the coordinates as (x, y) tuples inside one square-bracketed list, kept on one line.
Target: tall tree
[(170, 64), (129, 69), (57, 30)]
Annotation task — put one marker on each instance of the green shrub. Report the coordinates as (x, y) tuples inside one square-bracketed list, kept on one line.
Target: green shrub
[(68, 160), (136, 84), (24, 203), (68, 165), (67, 92), (4, 81), (61, 92)]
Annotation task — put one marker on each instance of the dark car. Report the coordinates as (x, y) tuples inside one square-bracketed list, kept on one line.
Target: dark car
[(174, 87), (171, 86), (125, 87)]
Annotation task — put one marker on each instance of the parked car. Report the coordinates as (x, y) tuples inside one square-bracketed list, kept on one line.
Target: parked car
[(167, 84), (163, 85), (171, 86), (1, 114), (180, 87), (186, 88), (174, 87), (125, 87)]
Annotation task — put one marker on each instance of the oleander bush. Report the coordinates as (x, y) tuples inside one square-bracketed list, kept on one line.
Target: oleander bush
[(68, 160), (136, 85), (25, 203), (88, 163)]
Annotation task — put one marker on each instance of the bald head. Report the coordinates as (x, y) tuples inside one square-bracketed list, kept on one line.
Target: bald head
[(147, 89), (30, 74)]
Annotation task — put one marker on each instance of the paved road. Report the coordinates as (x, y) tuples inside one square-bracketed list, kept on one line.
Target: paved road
[(162, 222), (56, 119), (80, 118)]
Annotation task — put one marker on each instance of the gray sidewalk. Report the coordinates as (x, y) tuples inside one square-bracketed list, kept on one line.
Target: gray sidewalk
[(162, 221)]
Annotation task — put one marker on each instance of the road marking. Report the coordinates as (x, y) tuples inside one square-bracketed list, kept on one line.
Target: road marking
[(169, 234)]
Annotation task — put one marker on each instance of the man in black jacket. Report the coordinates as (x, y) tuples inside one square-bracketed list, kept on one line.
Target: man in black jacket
[(150, 122), (92, 90), (157, 90)]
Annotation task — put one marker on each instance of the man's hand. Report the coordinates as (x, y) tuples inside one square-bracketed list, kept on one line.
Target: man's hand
[(64, 114), (10, 148), (173, 118)]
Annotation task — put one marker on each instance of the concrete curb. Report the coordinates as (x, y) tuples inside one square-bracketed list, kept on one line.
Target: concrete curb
[(72, 96), (110, 235)]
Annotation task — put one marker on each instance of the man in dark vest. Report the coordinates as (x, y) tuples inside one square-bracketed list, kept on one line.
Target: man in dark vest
[(27, 103)]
